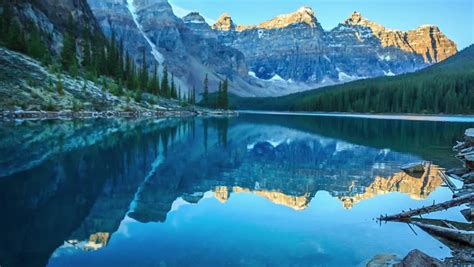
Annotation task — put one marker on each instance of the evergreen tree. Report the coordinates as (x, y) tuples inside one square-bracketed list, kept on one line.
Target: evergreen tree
[(205, 96), (154, 84), (144, 72), (16, 37), (165, 88), (37, 48), (128, 67), (5, 21), (102, 62), (119, 68), (225, 95), (193, 96), (174, 93), (60, 87), (219, 96), (87, 61), (68, 54)]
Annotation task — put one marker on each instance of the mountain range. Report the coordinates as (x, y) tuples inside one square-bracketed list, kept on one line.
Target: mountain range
[(357, 48), (258, 59), (445, 87)]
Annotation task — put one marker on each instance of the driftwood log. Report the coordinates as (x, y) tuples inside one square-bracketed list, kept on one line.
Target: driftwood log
[(451, 233), (468, 198), (448, 181)]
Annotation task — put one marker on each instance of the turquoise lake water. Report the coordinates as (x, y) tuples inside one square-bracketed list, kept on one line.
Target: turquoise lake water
[(252, 190)]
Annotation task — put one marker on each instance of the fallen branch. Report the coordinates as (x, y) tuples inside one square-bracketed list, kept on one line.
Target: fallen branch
[(447, 181), (466, 237), (424, 210), (442, 223)]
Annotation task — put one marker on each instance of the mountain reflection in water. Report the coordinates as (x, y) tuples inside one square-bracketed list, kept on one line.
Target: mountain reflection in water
[(68, 186)]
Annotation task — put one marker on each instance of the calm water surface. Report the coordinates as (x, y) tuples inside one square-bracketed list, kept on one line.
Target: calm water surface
[(254, 190)]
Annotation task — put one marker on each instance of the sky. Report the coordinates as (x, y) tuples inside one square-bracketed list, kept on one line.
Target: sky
[(455, 18)]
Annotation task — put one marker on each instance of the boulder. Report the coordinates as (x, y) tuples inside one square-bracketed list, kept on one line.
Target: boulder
[(383, 260), (469, 135), (417, 258)]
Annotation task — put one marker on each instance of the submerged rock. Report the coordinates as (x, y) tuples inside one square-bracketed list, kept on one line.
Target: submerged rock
[(383, 260)]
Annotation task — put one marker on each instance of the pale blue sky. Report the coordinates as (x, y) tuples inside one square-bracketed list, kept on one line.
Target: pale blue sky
[(454, 17)]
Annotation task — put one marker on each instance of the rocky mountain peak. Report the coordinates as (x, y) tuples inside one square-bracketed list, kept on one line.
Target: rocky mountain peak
[(427, 40), (355, 18), (224, 23), (306, 11), (304, 15), (194, 17)]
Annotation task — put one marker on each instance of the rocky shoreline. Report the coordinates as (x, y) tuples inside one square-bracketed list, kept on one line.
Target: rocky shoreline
[(69, 114)]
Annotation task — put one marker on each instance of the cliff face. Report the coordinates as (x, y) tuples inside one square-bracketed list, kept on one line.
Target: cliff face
[(355, 49), (188, 47), (258, 59), (286, 54), (267, 51), (426, 40), (54, 18)]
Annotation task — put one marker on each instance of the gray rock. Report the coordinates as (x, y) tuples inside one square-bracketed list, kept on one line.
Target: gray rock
[(54, 17), (355, 49), (188, 46), (417, 258), (315, 56), (469, 135)]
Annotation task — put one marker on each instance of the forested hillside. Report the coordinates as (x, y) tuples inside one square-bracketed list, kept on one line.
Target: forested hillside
[(74, 63), (447, 87)]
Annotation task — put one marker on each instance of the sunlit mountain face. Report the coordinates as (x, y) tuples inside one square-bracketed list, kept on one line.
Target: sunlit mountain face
[(180, 190)]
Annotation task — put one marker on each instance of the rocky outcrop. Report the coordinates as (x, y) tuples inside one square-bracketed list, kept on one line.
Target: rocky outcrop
[(268, 53), (355, 49), (418, 258), (27, 85), (224, 23), (55, 18), (426, 40), (258, 60), (188, 47)]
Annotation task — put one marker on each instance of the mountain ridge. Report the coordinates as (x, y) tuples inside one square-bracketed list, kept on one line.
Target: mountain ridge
[(257, 60), (445, 87), (440, 49)]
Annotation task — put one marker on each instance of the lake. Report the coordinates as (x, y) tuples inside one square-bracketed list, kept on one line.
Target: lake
[(252, 190)]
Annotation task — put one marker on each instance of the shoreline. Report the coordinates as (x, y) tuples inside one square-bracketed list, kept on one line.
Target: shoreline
[(380, 116), (68, 114)]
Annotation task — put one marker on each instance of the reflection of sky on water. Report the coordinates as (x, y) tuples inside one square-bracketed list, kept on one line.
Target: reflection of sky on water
[(250, 190), (251, 230)]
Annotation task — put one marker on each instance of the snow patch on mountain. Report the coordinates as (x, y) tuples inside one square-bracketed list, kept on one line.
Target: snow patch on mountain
[(157, 55), (344, 77), (388, 73), (384, 57), (277, 78), (182, 12)]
